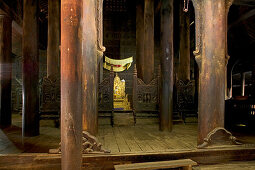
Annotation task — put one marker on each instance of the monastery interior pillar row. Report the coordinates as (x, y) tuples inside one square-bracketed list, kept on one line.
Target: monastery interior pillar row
[(53, 65), (71, 84), (140, 38), (184, 64), (89, 64), (167, 57), (5, 70), (148, 40), (30, 76), (211, 58)]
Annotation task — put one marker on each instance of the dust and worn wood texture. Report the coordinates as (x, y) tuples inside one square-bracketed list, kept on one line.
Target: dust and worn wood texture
[(107, 161), (211, 53), (167, 60), (182, 163), (5, 70), (184, 65), (89, 68), (234, 165), (53, 51), (71, 84), (30, 74), (148, 40), (140, 38)]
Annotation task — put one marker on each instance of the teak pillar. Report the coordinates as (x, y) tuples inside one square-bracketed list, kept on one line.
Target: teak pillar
[(243, 84), (148, 40), (30, 76), (211, 58), (89, 63), (184, 64), (100, 48), (167, 53), (71, 84), (5, 70), (53, 38), (140, 38)]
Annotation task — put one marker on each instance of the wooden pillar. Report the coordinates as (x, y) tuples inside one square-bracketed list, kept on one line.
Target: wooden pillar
[(140, 38), (53, 38), (100, 48), (184, 64), (5, 70), (167, 57), (71, 84), (148, 40), (243, 84), (30, 109), (253, 79), (211, 58), (89, 63)]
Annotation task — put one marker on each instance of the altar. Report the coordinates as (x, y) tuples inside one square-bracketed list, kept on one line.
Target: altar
[(120, 99)]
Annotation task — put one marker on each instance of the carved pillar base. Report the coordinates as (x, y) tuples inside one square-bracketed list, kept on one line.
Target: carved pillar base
[(90, 144), (218, 137)]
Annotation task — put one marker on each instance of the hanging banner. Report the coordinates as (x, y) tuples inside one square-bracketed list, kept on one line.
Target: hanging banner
[(118, 65)]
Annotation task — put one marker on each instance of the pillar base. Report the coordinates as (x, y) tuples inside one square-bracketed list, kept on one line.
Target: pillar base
[(218, 137), (90, 144)]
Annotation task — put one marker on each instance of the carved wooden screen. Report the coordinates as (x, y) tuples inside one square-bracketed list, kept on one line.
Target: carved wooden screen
[(185, 95), (50, 94), (145, 96), (105, 94)]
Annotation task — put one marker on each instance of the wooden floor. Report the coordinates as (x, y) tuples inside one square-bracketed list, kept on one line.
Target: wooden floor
[(239, 165), (147, 138), (118, 139)]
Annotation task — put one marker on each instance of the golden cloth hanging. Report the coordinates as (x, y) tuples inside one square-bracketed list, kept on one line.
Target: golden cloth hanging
[(118, 65)]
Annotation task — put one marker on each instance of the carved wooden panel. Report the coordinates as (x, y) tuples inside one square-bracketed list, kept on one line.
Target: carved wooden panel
[(185, 95), (50, 95), (145, 96), (105, 94)]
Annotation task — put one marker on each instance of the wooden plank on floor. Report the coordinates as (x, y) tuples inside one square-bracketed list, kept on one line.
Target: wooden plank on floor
[(128, 134), (123, 147), (156, 143), (185, 163), (110, 141)]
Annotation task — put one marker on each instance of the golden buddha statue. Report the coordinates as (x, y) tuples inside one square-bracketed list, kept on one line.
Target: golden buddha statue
[(120, 97)]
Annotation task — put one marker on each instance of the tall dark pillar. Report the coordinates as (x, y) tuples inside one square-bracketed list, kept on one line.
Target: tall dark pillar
[(167, 57), (243, 84), (71, 83), (140, 38), (211, 58), (30, 112), (5, 70), (184, 65), (148, 40), (53, 38), (89, 63)]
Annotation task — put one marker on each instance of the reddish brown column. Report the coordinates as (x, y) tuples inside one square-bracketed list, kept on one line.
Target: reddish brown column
[(140, 38), (211, 58), (53, 38), (243, 84), (253, 79), (89, 62), (5, 70), (166, 102), (30, 121), (184, 64), (71, 84), (148, 40)]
